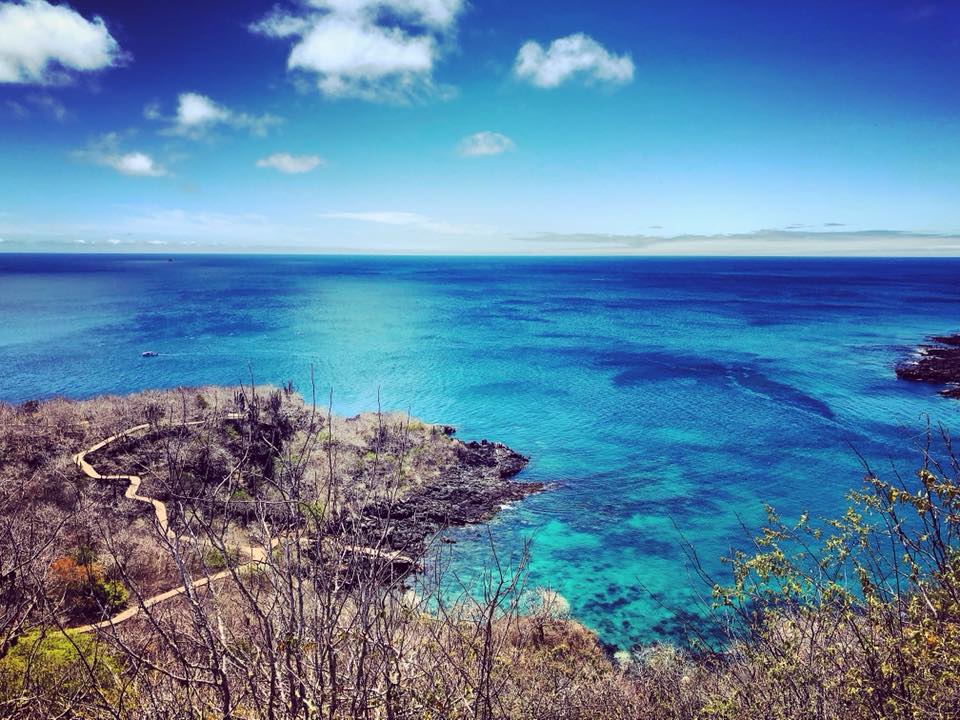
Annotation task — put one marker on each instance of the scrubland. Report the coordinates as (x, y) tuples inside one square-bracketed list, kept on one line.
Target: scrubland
[(290, 551)]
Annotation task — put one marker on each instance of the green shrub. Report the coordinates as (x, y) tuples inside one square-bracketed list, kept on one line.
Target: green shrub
[(55, 672), (216, 559), (112, 594)]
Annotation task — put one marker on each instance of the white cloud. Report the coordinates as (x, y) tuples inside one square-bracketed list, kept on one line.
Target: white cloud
[(485, 143), (291, 164), (574, 56), (439, 14), (415, 221), (41, 43), (136, 163), (106, 151), (179, 223), (38, 104), (198, 115), (369, 49), (385, 217), (195, 110), (133, 227)]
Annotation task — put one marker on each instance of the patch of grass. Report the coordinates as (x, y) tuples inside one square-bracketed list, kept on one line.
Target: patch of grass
[(215, 559), (59, 668)]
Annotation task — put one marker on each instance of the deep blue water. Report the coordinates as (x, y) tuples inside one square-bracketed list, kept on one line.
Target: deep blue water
[(660, 396)]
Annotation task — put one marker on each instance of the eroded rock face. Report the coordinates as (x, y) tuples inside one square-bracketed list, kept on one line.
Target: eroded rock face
[(935, 362), (473, 489)]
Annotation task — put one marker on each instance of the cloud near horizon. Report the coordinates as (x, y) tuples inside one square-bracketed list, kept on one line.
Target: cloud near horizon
[(484, 144), (409, 232), (368, 49), (410, 220), (576, 56), (42, 44), (291, 164)]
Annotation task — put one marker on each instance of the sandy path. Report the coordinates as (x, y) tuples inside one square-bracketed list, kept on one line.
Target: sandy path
[(254, 553), (159, 509)]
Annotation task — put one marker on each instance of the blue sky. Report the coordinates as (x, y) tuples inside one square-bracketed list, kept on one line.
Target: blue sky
[(445, 126)]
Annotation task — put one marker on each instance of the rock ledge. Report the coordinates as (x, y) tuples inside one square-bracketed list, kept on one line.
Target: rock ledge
[(935, 362)]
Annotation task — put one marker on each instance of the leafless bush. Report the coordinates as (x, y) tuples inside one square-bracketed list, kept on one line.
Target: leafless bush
[(270, 592)]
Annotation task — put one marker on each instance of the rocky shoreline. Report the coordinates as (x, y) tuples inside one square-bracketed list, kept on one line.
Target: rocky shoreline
[(401, 481), (471, 490), (935, 362)]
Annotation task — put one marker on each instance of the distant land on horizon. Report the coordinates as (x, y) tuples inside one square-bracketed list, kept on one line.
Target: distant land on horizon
[(773, 243)]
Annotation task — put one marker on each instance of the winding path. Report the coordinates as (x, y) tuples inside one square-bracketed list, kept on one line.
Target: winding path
[(254, 553), (159, 509)]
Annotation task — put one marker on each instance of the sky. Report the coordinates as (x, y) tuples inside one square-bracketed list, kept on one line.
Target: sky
[(481, 127)]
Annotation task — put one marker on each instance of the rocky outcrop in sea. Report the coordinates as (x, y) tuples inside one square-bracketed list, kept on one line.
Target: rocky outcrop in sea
[(471, 490), (937, 361)]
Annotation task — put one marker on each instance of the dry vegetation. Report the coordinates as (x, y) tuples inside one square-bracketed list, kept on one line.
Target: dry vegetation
[(853, 618)]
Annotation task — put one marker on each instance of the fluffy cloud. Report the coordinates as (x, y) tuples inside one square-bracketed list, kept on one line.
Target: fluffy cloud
[(106, 151), (136, 163), (485, 143), (574, 56), (291, 164), (369, 49), (197, 111), (41, 43), (198, 115)]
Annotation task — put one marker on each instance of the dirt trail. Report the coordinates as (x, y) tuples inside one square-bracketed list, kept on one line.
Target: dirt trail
[(256, 554)]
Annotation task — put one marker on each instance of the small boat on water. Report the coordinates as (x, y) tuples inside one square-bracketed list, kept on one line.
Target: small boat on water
[(149, 353)]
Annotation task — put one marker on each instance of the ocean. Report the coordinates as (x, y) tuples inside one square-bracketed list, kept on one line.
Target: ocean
[(664, 400)]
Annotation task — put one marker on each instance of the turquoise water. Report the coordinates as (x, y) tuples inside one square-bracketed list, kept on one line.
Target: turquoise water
[(660, 396)]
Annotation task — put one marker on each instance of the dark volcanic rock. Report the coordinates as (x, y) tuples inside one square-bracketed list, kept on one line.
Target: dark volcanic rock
[(938, 362), (472, 490), (490, 455)]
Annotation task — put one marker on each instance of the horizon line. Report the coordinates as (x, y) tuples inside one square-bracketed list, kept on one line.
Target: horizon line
[(571, 256)]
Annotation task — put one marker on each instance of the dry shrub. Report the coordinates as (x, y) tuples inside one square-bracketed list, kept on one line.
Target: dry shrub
[(857, 617)]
